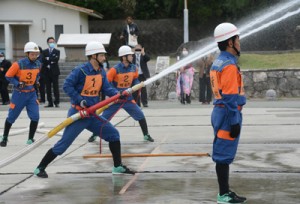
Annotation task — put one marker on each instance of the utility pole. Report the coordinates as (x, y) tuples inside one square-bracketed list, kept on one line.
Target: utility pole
[(186, 23)]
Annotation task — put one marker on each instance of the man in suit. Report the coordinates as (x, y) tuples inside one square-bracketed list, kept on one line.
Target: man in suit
[(51, 72), (140, 59)]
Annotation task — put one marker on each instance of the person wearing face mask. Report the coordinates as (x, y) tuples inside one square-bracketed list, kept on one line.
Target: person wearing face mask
[(185, 77), (83, 86), (4, 66), (51, 72), (24, 75), (140, 59)]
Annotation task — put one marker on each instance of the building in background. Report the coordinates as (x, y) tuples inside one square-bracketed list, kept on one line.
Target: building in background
[(36, 20)]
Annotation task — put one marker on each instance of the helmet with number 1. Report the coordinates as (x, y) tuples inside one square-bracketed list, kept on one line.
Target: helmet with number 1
[(31, 47), (125, 50), (94, 48), (225, 31)]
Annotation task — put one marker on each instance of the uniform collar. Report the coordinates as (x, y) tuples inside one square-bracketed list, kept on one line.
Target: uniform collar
[(91, 68), (229, 55)]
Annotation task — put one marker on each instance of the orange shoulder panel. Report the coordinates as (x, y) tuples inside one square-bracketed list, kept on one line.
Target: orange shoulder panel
[(13, 70), (229, 80), (111, 73)]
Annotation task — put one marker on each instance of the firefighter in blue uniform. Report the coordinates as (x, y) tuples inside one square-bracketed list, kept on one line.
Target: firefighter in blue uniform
[(24, 75), (123, 76), (226, 118), (83, 86)]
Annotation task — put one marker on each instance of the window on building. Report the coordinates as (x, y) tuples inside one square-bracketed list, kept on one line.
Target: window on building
[(59, 29)]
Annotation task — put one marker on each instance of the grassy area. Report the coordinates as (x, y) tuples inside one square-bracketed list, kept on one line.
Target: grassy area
[(268, 61)]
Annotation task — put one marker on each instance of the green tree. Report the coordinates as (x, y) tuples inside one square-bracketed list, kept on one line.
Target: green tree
[(199, 10)]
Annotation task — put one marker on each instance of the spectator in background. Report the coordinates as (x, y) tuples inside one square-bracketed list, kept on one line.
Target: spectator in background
[(130, 33), (140, 59), (185, 77), (51, 72), (204, 79), (4, 66)]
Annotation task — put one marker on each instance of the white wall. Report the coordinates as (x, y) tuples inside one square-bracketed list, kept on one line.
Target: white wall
[(84, 22), (33, 10)]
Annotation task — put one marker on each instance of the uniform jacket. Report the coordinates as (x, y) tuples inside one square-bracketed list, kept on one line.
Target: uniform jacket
[(76, 84), (123, 77), (227, 85), (24, 71), (143, 63), (50, 62)]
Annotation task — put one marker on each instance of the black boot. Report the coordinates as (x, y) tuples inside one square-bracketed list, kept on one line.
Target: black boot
[(182, 100), (32, 129), (115, 148), (3, 142), (7, 127), (48, 158), (188, 98)]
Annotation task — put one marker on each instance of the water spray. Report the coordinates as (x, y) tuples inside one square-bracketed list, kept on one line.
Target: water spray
[(210, 48)]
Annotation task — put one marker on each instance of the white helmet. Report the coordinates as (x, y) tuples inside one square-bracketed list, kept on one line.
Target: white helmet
[(125, 50), (94, 48), (224, 31), (31, 47)]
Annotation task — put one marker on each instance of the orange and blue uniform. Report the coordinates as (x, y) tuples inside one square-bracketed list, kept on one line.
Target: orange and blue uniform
[(229, 98), (28, 72), (123, 78), (85, 83)]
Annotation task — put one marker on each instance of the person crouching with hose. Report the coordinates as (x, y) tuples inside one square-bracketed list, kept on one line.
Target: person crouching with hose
[(123, 76), (83, 86)]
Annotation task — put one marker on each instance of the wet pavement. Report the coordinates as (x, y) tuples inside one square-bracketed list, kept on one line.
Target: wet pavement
[(266, 169)]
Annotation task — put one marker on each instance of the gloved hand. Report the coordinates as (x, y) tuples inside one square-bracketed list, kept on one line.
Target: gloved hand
[(21, 85), (123, 94), (84, 113), (83, 104), (37, 85), (235, 130)]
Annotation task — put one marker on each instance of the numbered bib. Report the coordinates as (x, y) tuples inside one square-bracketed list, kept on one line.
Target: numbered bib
[(92, 85)]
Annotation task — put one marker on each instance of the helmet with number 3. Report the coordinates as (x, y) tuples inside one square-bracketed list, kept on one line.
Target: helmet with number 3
[(31, 47)]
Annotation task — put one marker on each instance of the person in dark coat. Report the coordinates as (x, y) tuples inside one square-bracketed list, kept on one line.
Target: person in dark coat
[(140, 59), (130, 30), (51, 72), (4, 66), (205, 93)]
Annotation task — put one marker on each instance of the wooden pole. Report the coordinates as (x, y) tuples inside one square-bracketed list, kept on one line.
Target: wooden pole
[(89, 156)]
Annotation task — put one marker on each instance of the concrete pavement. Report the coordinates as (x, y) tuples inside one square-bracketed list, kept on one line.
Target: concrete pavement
[(266, 169)]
